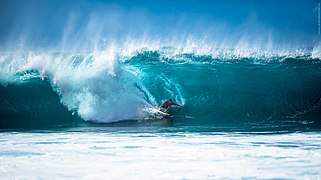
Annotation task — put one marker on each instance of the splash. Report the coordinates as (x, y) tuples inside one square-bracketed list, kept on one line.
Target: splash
[(94, 85)]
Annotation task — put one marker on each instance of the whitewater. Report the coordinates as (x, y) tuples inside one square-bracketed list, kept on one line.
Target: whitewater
[(96, 155), (80, 81)]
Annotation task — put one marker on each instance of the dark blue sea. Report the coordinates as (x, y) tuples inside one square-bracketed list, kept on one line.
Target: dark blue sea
[(79, 86)]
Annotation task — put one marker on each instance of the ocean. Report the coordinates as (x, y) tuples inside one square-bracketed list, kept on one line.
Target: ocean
[(72, 117), (258, 93), (78, 85)]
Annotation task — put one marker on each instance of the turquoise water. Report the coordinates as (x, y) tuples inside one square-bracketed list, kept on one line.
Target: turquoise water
[(86, 116), (79, 81), (255, 93)]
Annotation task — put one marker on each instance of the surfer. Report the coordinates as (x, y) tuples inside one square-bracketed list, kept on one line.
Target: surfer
[(167, 105)]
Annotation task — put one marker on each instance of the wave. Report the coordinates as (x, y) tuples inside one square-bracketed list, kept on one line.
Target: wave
[(217, 87)]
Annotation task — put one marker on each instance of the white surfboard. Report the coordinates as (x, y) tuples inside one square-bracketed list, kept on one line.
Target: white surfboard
[(155, 111), (161, 112)]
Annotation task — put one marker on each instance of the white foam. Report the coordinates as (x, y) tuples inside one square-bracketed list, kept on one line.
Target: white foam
[(159, 156), (92, 84), (316, 52)]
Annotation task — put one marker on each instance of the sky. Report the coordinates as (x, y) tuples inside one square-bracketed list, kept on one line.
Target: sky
[(57, 23)]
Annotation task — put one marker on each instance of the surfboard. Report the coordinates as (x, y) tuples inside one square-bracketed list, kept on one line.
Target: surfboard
[(172, 111), (156, 111), (161, 112)]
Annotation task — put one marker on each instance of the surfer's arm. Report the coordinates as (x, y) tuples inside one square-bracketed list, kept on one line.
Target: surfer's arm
[(167, 109), (176, 104)]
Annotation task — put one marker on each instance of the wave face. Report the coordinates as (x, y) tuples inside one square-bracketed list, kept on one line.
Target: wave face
[(221, 89)]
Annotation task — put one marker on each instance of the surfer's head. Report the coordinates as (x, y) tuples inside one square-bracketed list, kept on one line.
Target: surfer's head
[(170, 100)]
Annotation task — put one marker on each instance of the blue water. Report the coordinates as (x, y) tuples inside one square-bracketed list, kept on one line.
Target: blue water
[(84, 116), (255, 93), (79, 82)]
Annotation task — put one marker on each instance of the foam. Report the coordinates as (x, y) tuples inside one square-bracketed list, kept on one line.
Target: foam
[(90, 84), (104, 86)]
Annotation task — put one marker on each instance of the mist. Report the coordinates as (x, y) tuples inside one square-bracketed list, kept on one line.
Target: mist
[(86, 26)]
